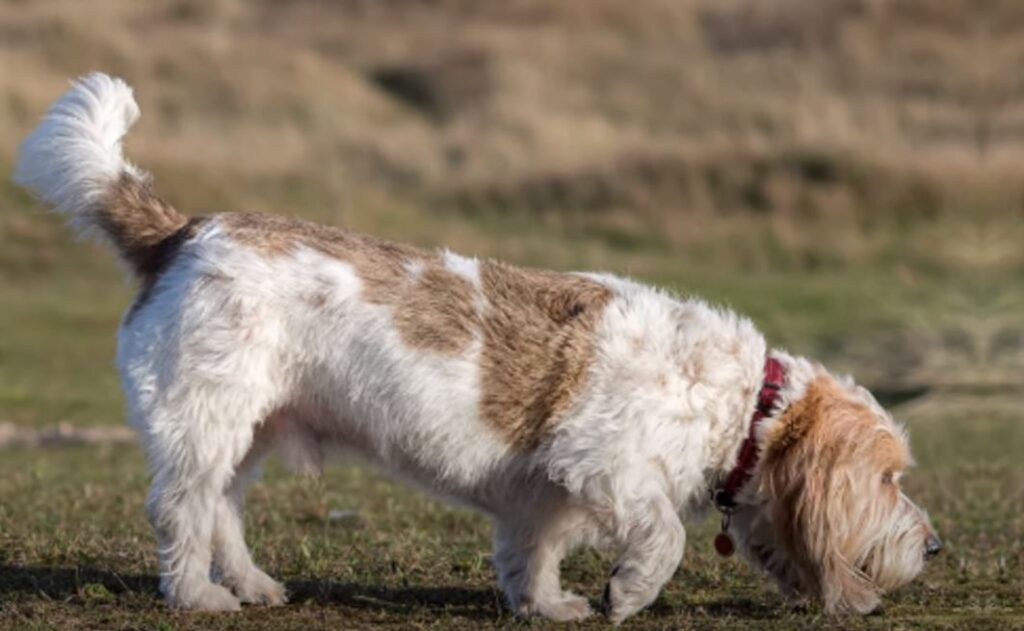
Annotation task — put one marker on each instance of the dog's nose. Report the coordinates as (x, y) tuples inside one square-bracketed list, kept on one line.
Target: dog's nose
[(932, 546)]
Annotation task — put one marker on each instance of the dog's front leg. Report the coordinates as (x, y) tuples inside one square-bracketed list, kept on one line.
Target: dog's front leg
[(652, 540), (527, 553)]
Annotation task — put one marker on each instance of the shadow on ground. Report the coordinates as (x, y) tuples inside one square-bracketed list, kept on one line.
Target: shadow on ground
[(473, 603), (71, 584), (62, 583)]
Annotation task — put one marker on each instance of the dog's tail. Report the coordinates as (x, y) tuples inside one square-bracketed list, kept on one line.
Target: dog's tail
[(73, 162)]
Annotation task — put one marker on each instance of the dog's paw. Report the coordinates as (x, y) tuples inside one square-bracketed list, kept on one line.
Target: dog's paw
[(568, 608), (206, 597), (559, 607), (623, 598), (257, 588)]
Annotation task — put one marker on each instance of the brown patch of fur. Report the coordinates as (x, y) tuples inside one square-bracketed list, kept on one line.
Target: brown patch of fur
[(825, 400), (538, 345), (433, 310), (146, 230), (438, 311), (381, 260), (822, 397)]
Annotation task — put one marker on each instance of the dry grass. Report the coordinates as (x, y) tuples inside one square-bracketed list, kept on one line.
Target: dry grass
[(842, 120)]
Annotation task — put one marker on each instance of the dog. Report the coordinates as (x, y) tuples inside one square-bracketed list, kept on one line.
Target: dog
[(573, 408)]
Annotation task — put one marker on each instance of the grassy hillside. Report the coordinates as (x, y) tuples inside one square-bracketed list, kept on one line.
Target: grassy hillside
[(846, 172)]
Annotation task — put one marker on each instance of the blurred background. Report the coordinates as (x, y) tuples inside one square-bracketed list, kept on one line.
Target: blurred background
[(846, 172)]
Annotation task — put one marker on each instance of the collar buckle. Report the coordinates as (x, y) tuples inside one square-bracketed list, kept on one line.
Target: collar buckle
[(723, 501)]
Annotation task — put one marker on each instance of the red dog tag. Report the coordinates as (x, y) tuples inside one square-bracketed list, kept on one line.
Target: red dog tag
[(724, 545)]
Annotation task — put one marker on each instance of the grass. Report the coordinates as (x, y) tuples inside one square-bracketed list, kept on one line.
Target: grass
[(75, 550)]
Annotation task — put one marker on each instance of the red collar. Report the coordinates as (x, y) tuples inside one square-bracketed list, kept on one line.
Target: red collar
[(725, 495)]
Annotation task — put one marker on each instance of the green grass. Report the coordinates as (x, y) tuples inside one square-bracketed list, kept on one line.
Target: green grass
[(76, 551)]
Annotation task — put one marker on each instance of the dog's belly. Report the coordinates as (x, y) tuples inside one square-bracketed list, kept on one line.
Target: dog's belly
[(307, 439)]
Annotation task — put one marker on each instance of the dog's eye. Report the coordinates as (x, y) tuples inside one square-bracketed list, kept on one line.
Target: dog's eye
[(887, 477)]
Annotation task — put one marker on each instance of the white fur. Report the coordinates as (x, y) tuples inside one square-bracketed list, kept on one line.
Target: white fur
[(229, 358), (218, 350), (74, 154)]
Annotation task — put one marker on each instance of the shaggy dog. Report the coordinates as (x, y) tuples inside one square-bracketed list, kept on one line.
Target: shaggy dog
[(574, 409)]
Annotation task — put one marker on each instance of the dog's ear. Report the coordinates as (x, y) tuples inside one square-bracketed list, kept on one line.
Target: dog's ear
[(810, 477)]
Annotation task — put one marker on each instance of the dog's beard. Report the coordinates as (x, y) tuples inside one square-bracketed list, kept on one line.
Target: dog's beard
[(877, 550), (890, 549)]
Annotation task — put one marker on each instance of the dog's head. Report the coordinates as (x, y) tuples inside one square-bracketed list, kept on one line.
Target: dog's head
[(828, 519)]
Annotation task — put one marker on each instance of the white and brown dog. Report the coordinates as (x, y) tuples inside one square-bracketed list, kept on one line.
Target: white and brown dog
[(572, 408)]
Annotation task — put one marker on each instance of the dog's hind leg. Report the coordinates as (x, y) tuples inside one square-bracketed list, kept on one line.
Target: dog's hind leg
[(233, 565), (195, 447), (182, 509), (527, 553)]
